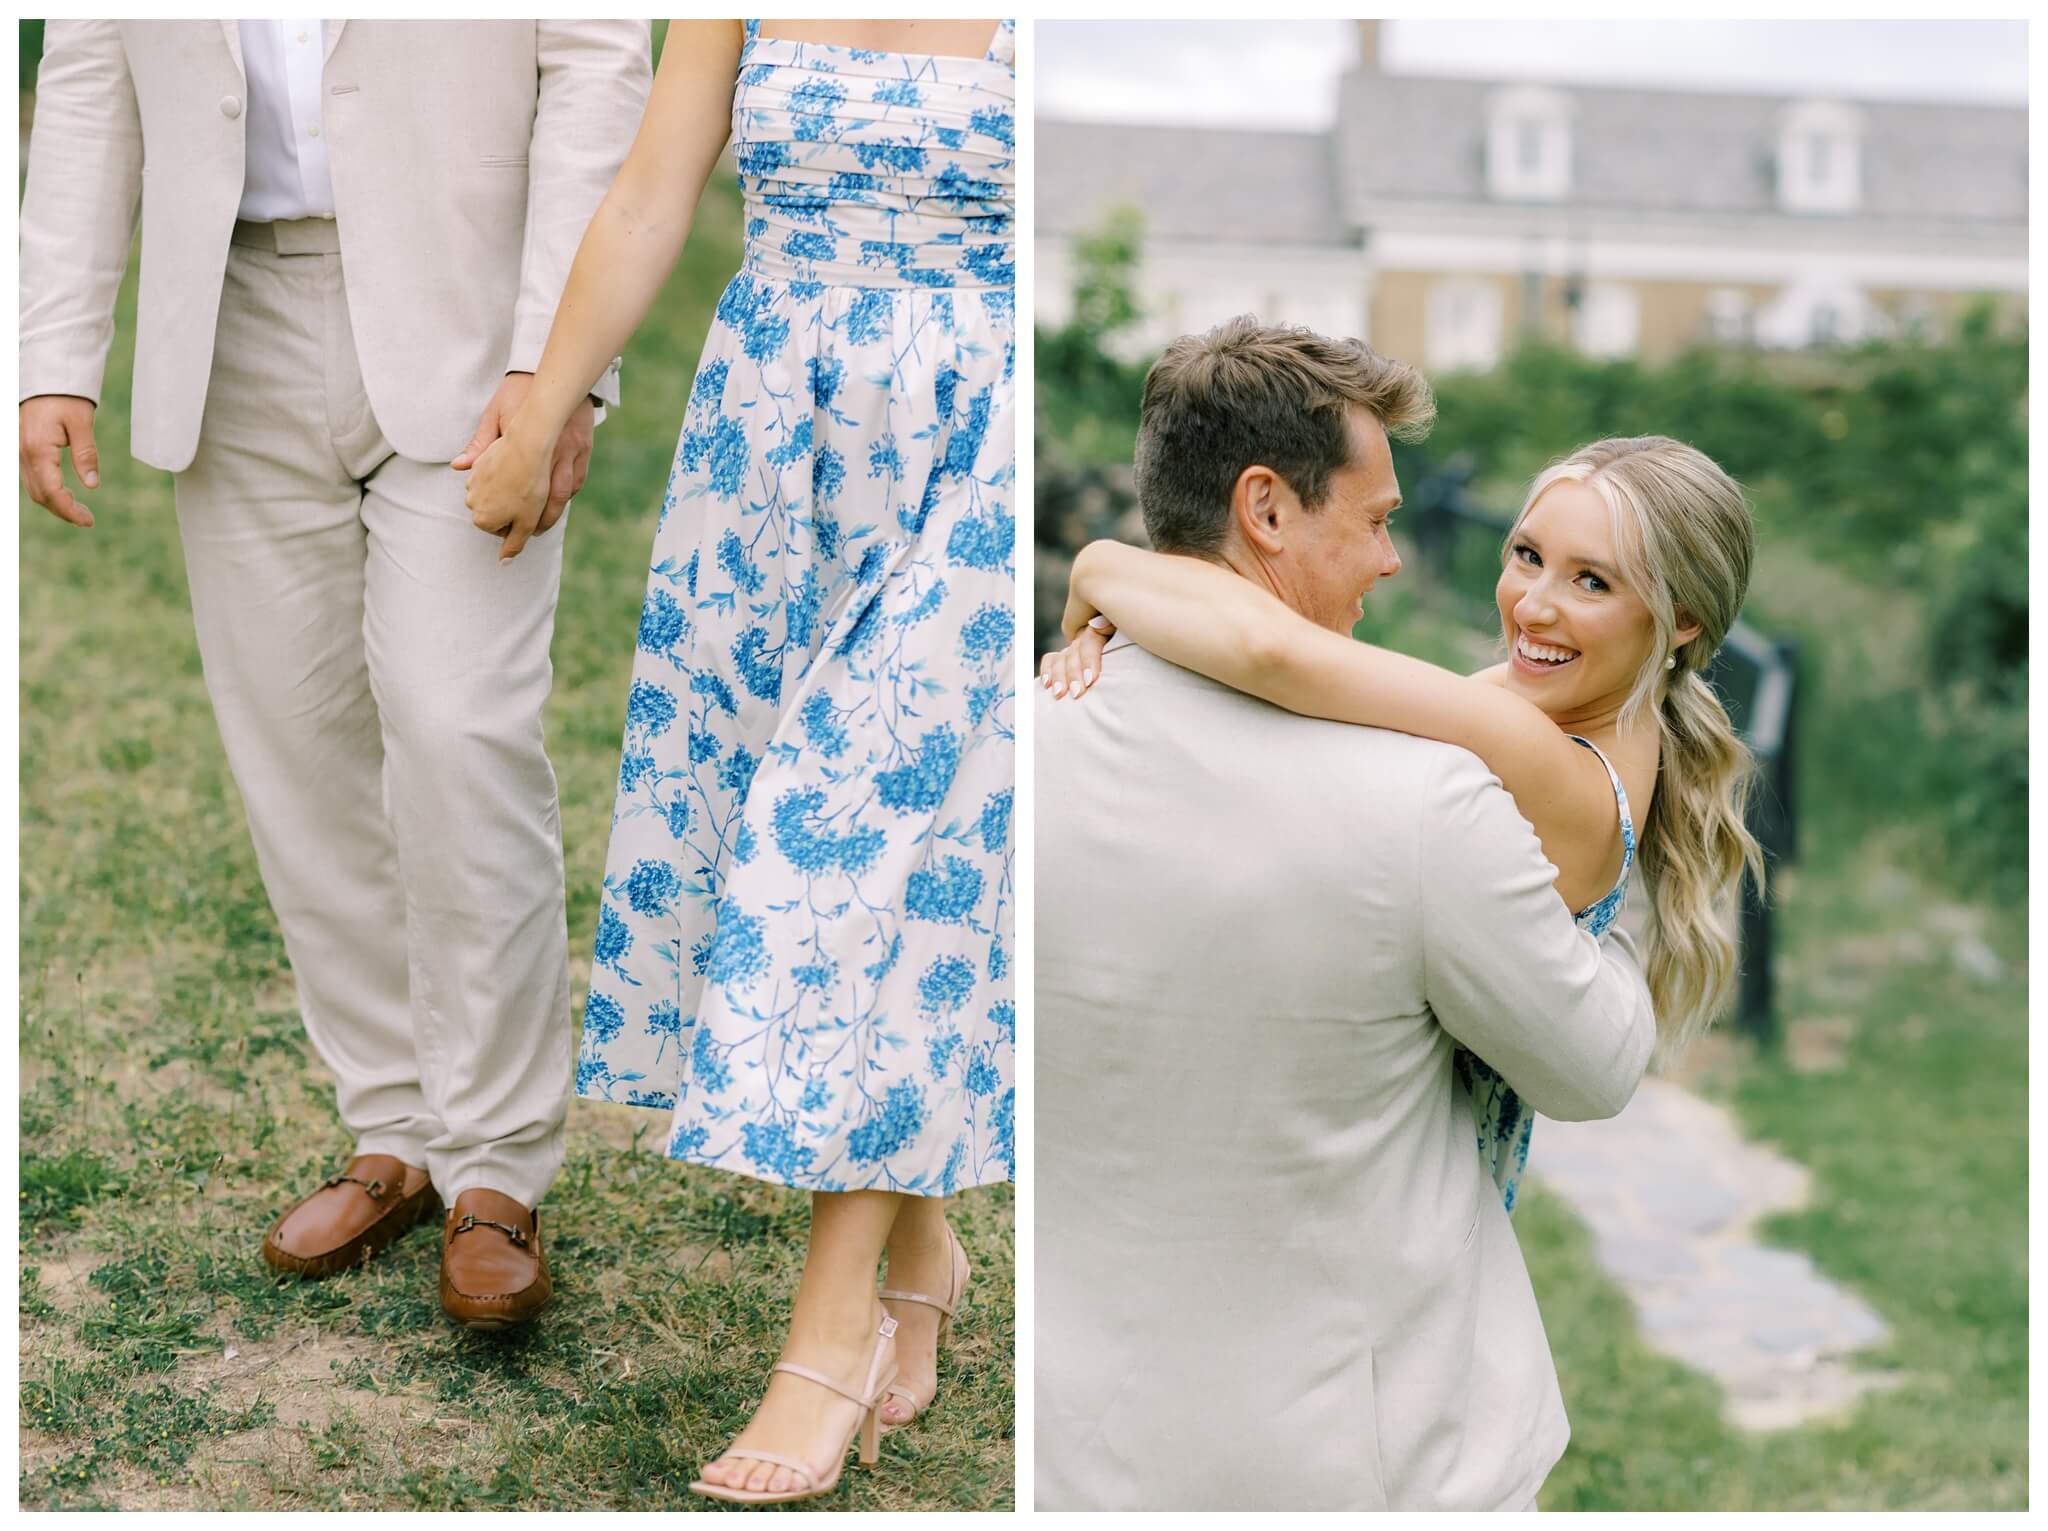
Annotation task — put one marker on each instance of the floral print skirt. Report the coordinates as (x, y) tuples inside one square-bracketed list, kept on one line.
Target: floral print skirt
[(804, 946)]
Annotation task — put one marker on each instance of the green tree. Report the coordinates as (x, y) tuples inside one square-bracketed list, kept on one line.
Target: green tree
[(1087, 393)]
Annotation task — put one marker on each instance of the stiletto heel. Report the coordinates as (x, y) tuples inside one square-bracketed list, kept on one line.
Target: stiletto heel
[(816, 1479), (956, 1299)]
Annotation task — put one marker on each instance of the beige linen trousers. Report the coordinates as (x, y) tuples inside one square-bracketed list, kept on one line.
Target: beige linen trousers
[(377, 675), (1271, 1270)]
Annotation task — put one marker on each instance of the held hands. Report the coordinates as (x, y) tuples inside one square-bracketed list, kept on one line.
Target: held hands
[(1073, 669), (51, 422), (519, 487)]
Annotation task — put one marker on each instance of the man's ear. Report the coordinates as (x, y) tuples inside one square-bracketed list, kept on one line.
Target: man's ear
[(1255, 507)]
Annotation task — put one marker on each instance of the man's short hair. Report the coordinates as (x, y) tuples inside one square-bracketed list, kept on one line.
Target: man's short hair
[(1249, 393)]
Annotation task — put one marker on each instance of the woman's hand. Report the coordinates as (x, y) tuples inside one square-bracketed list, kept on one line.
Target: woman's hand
[(570, 458), (1073, 669), (508, 490)]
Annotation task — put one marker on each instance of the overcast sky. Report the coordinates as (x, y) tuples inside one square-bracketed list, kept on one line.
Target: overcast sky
[(1284, 74)]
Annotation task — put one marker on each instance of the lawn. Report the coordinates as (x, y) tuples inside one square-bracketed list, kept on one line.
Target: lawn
[(170, 1106), (1901, 1085)]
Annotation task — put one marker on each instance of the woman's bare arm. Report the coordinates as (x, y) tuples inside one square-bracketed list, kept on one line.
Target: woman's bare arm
[(1205, 618), (626, 254)]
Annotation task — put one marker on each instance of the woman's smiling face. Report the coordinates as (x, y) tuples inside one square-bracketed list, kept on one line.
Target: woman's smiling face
[(1577, 636)]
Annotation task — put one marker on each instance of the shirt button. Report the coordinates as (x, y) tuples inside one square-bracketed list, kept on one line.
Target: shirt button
[(230, 107), (302, 37), (312, 132)]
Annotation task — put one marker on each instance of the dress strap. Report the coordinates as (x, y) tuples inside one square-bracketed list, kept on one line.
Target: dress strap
[(1628, 824), (751, 31), (1002, 48)]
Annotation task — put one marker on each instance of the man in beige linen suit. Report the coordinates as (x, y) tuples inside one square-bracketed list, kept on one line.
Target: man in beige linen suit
[(354, 236), (1272, 1271)]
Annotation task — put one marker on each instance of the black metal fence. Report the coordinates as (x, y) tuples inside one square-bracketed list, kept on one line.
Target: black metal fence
[(1458, 540)]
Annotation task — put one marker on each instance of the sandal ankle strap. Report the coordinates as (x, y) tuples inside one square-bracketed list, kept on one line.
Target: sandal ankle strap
[(886, 1330), (954, 1255), (890, 1294)]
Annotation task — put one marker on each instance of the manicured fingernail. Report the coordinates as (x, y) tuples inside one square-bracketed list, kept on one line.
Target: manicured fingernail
[(1098, 622), (1060, 689), (1087, 677)]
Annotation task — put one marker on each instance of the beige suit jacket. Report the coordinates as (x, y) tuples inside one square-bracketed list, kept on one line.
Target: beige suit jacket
[(467, 157), (1271, 1272)]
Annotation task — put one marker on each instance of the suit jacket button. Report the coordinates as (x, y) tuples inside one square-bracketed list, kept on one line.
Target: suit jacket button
[(230, 107)]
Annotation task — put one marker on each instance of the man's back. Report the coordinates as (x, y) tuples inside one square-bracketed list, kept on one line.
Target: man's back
[(1271, 1271)]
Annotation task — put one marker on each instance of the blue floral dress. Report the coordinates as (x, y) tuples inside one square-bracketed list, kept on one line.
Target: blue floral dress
[(804, 946), (1504, 1123)]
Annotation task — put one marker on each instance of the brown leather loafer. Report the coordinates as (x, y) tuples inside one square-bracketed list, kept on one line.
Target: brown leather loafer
[(494, 1273), (353, 1217)]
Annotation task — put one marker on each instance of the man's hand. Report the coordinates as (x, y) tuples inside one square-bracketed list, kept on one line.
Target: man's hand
[(51, 422), (504, 509)]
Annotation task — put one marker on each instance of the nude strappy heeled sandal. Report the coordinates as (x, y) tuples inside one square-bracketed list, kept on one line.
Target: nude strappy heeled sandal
[(956, 1298), (818, 1480)]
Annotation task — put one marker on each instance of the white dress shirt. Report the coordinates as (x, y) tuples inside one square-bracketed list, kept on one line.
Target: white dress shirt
[(285, 173)]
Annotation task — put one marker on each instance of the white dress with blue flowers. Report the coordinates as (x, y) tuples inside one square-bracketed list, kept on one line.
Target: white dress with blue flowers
[(804, 944), (1505, 1124)]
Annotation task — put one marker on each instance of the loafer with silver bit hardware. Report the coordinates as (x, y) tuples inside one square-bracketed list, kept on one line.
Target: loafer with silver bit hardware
[(354, 1216), (494, 1273)]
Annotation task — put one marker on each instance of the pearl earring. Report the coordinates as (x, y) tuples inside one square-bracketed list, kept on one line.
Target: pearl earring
[(1671, 662)]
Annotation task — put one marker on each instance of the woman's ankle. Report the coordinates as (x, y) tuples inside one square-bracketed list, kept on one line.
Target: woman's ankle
[(920, 1236), (847, 1325)]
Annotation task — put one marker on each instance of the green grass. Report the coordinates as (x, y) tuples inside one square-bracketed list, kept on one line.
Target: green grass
[(1916, 1141), (170, 1106)]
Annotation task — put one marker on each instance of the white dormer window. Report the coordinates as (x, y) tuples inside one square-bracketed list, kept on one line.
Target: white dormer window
[(1820, 158), (1529, 145)]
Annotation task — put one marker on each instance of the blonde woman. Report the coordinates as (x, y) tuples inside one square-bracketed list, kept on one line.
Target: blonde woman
[(1620, 577)]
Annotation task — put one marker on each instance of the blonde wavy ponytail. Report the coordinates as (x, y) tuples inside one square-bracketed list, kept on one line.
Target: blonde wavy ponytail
[(1683, 535), (1692, 854)]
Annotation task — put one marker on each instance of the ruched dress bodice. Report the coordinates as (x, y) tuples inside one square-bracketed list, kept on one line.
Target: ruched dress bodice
[(868, 169)]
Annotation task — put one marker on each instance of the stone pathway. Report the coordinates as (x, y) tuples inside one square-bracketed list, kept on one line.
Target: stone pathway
[(1672, 1194)]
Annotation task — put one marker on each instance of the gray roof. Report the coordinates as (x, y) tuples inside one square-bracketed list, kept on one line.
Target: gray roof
[(1199, 184), (1400, 138)]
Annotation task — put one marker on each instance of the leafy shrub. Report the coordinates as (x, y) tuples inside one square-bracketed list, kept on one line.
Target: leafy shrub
[(1087, 388)]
